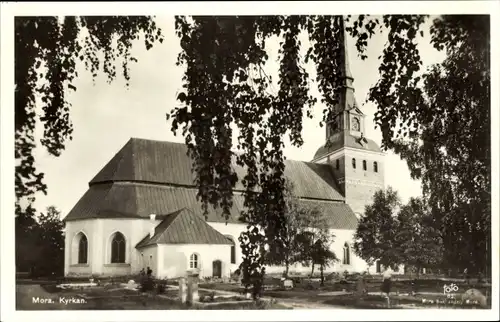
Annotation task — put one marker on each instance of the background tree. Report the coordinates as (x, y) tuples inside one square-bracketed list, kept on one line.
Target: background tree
[(40, 244), (284, 251), (375, 237), (28, 250), (322, 255), (419, 237), (448, 146), (51, 241), (314, 243), (305, 225)]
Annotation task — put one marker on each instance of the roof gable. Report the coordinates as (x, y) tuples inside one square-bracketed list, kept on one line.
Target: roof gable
[(184, 227)]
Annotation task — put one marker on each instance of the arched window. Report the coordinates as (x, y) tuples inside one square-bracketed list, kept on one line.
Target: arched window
[(233, 249), (353, 163), (118, 248), (347, 255), (193, 261), (364, 165), (375, 166), (83, 249), (337, 164)]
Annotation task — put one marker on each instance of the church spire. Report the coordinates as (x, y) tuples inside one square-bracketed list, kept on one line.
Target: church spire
[(344, 121), (345, 68)]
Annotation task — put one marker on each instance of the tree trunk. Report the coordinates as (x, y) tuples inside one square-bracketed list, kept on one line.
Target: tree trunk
[(322, 276), (287, 265), (312, 270), (418, 272)]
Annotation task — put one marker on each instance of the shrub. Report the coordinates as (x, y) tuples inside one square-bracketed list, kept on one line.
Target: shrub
[(161, 286), (147, 284)]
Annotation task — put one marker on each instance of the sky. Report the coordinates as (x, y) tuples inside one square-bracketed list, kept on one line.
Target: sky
[(105, 116)]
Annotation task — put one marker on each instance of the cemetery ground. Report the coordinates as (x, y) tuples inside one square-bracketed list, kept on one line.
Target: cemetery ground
[(112, 295), (217, 294), (407, 292)]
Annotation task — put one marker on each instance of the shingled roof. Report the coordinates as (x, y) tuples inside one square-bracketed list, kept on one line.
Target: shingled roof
[(184, 227), (147, 177), (167, 163)]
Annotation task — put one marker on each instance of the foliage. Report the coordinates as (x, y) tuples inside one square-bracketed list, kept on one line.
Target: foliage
[(46, 53), (306, 239), (322, 255), (375, 237), (225, 84), (147, 284), (450, 152), (161, 286), (397, 234), (419, 238), (40, 243)]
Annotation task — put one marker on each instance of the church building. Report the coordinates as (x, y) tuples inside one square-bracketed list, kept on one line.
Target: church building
[(141, 209)]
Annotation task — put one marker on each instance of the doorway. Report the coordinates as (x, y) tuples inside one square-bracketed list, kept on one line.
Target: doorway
[(217, 269)]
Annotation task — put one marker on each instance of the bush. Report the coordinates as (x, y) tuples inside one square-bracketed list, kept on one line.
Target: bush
[(147, 284), (332, 277), (161, 287)]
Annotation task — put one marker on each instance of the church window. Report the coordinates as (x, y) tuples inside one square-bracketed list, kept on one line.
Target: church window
[(118, 248), (193, 261), (233, 249), (347, 255), (364, 165), (375, 166), (355, 124), (82, 250), (337, 164), (353, 163)]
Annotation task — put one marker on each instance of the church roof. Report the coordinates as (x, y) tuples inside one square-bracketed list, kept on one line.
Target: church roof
[(184, 227), (167, 163), (139, 200), (346, 140), (147, 177)]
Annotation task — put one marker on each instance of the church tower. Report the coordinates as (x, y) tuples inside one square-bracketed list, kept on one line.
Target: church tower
[(357, 161)]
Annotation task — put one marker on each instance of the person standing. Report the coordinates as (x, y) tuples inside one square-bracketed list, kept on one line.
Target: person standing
[(386, 283)]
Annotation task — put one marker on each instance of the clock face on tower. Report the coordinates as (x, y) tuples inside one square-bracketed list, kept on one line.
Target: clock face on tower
[(355, 124)]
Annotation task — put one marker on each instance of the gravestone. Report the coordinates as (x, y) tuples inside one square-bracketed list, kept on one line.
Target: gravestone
[(472, 295), (360, 287), (192, 290), (287, 283), (182, 290)]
